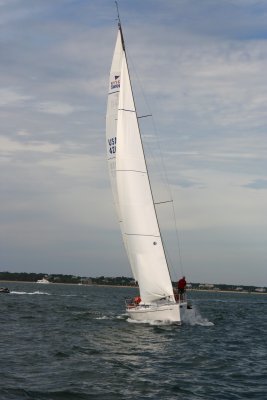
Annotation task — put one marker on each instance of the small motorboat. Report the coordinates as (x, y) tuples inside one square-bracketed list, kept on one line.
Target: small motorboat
[(4, 290)]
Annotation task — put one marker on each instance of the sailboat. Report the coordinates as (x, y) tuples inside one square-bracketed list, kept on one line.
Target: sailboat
[(134, 200)]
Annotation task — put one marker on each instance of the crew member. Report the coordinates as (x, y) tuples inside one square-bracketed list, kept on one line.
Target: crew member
[(137, 300), (181, 287)]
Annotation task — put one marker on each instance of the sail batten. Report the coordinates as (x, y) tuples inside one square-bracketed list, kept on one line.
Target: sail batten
[(131, 170), (140, 234)]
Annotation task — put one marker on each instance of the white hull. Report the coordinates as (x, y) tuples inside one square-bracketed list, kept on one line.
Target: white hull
[(171, 312), (43, 281)]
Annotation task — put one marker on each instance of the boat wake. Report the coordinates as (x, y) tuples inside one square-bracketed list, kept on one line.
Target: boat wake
[(151, 322), (112, 317), (31, 293), (193, 317)]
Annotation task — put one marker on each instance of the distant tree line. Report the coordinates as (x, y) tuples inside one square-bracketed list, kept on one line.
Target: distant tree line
[(62, 278), (20, 276), (115, 281), (34, 277)]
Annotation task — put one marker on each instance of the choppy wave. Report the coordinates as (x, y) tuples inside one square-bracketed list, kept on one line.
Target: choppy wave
[(34, 394), (76, 348)]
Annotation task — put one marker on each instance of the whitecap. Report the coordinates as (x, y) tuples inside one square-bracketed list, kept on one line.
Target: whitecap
[(30, 293), (122, 316)]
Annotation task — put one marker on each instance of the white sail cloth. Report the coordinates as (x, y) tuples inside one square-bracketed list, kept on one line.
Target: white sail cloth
[(132, 192)]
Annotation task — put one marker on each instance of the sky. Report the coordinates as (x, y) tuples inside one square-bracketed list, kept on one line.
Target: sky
[(201, 70)]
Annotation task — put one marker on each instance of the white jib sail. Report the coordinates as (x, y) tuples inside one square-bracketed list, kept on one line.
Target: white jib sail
[(136, 210)]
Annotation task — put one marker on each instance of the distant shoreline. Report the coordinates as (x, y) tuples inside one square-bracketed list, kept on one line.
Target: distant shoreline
[(132, 287), (70, 284)]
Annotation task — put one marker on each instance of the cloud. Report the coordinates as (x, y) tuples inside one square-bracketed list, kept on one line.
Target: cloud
[(23, 132), (257, 184), (10, 96), (57, 108), (78, 165), (9, 146)]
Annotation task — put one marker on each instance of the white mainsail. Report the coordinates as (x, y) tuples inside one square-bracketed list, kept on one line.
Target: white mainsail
[(131, 188), (111, 123), (112, 116)]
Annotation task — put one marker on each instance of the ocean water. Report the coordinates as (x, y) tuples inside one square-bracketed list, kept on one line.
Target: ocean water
[(75, 343)]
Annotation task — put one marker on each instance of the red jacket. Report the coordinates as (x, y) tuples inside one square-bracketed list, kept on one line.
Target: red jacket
[(182, 283)]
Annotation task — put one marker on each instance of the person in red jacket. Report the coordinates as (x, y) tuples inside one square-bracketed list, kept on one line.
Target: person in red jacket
[(137, 300), (181, 287)]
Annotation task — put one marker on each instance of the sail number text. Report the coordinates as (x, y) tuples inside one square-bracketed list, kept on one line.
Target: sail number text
[(112, 145)]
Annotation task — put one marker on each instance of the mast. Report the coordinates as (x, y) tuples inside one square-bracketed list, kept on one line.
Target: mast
[(150, 186), (120, 29)]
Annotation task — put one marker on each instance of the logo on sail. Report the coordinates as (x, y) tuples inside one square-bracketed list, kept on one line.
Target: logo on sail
[(116, 83)]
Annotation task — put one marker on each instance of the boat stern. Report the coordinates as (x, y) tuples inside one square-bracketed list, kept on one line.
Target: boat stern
[(168, 312)]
